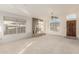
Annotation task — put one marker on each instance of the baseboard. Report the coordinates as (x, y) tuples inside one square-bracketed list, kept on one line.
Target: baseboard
[(71, 37)]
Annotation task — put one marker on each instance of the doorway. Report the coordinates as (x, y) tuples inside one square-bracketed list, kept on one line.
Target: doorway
[(71, 28), (37, 27)]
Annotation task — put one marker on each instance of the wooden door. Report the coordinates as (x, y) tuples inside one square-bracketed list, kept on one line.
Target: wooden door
[(71, 28)]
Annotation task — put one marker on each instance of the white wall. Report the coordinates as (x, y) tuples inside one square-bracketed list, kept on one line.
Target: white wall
[(5, 38)]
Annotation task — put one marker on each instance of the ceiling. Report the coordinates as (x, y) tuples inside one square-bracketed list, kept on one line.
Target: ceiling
[(52, 9), (14, 8), (40, 10)]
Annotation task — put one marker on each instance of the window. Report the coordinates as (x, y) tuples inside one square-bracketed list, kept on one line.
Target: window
[(13, 25), (71, 17), (21, 28), (10, 25), (54, 24)]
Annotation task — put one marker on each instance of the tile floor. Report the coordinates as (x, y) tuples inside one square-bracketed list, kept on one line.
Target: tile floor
[(46, 44)]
